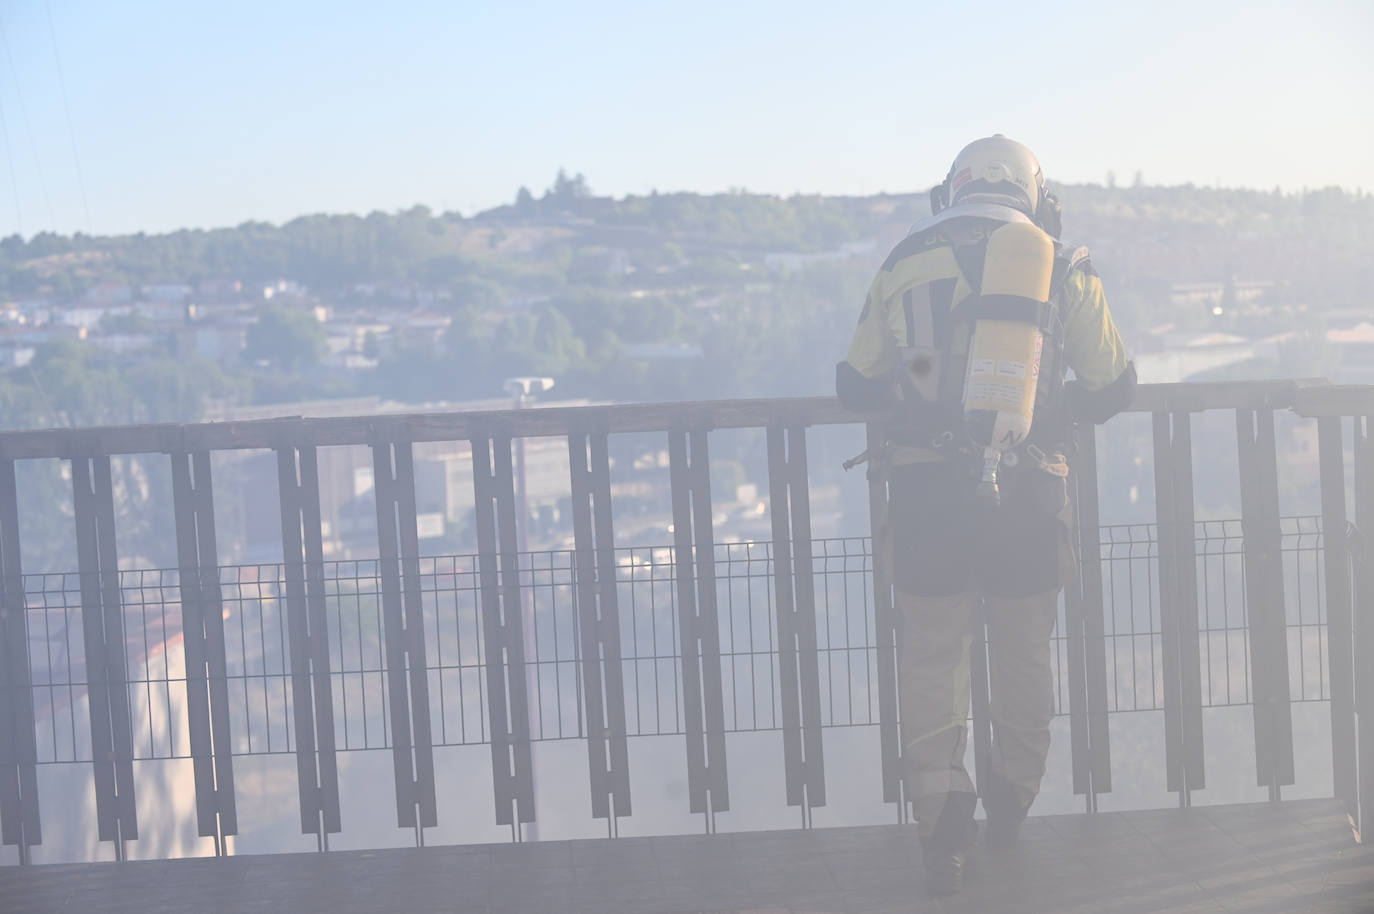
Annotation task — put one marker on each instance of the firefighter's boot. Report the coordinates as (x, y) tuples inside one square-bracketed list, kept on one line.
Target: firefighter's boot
[(1006, 807), (945, 851)]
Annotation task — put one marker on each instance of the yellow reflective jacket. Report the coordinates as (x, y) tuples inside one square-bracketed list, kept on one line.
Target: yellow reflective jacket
[(1091, 345)]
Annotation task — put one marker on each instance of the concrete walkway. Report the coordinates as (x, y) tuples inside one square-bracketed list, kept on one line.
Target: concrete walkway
[(1290, 857)]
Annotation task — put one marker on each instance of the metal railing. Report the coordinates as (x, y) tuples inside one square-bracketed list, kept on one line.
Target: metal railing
[(259, 677), (603, 643)]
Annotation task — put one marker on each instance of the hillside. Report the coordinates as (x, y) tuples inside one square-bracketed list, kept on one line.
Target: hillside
[(661, 296)]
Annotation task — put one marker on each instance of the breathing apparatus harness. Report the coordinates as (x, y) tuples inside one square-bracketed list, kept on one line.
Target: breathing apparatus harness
[(937, 422)]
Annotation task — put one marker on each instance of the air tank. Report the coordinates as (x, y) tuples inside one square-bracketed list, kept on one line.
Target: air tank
[(1006, 345)]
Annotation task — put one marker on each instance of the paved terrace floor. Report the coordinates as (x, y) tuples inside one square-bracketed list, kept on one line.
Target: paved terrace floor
[(1288, 857)]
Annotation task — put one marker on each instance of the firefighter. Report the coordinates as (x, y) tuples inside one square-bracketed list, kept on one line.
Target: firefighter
[(965, 339)]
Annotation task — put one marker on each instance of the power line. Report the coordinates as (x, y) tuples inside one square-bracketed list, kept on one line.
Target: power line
[(14, 183), (28, 127), (71, 131)]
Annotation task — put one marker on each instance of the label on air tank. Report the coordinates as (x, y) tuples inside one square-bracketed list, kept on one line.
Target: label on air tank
[(985, 393)]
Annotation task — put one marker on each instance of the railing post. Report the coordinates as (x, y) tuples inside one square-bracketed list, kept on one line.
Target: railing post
[(102, 625), (1363, 819), (1091, 745), (1263, 541), (1339, 632), (398, 540), (795, 606), (980, 697), (502, 629), (20, 824), (1178, 605), (698, 623), (202, 620), (598, 613), (1095, 639), (885, 630), (308, 626)]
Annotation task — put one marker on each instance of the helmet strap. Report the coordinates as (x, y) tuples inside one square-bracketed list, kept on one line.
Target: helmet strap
[(1049, 215), (939, 194)]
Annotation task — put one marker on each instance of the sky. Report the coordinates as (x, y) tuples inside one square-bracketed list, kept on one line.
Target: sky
[(152, 115)]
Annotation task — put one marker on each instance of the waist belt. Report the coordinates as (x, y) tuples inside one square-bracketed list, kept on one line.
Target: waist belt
[(947, 442)]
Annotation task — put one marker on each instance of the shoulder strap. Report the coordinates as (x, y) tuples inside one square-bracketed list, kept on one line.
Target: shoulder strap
[(1067, 259), (1049, 397)]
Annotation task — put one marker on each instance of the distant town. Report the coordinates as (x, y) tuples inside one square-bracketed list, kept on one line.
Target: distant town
[(660, 297)]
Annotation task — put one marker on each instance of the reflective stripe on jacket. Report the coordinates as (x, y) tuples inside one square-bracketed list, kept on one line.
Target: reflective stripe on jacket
[(1091, 345)]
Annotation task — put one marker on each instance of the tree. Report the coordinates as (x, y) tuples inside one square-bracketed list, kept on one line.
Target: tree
[(287, 338), (558, 349), (567, 190), (476, 293)]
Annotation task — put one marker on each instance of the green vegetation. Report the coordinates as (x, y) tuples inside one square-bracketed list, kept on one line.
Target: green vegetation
[(738, 294), (289, 340), (71, 384)]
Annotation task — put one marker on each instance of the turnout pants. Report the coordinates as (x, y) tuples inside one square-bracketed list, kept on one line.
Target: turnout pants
[(948, 554)]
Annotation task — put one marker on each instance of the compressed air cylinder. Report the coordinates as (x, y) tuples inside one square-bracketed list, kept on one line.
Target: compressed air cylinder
[(1004, 352)]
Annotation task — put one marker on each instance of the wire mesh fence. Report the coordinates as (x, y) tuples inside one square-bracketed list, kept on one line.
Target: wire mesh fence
[(259, 669), (1132, 613)]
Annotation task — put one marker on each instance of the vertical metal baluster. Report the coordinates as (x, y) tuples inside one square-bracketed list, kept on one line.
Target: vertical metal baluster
[(319, 639), (116, 661), (502, 630), (193, 647), (293, 564), (885, 625), (713, 690), (20, 823), (778, 484), (416, 657), (1262, 536), (103, 629), (698, 622), (689, 648), (795, 607), (1339, 637), (1178, 603), (402, 613), (389, 570), (1074, 597), (207, 687), (585, 565), (598, 612), (1364, 624), (980, 696), (216, 651), (609, 606), (311, 688), (1167, 535), (1094, 636), (803, 576)]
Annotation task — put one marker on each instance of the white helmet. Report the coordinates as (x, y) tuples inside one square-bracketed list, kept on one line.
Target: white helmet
[(998, 170)]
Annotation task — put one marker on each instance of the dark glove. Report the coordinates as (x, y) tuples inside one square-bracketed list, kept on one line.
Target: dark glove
[(1097, 406), (862, 394)]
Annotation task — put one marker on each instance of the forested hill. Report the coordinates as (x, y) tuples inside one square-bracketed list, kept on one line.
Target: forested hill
[(665, 296), (1322, 238)]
